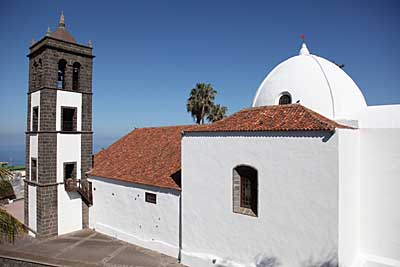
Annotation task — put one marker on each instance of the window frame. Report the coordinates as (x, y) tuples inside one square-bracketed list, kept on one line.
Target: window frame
[(61, 71), (74, 119), (242, 174), (36, 169), (76, 79), (74, 170), (282, 95), (148, 197), (35, 126)]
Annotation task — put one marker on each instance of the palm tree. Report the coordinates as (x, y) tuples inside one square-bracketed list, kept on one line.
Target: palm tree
[(10, 227), (200, 101), (217, 113)]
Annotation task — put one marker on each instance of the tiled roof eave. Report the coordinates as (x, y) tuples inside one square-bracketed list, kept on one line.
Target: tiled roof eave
[(133, 181), (275, 130)]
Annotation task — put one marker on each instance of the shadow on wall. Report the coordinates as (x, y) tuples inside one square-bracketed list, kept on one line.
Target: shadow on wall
[(265, 261), (329, 261), (261, 260)]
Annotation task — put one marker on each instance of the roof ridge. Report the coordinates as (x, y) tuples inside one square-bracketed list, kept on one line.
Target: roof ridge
[(329, 123), (315, 118), (270, 107), (167, 126)]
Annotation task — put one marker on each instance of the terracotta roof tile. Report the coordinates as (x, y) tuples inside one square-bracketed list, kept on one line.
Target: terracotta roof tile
[(151, 156), (147, 156), (62, 34), (293, 117)]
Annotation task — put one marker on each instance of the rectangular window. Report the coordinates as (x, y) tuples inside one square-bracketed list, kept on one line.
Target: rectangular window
[(68, 119), (246, 197), (69, 170), (151, 198), (33, 169), (35, 119)]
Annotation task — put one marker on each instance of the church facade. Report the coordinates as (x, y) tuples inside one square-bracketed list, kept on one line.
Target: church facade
[(307, 176)]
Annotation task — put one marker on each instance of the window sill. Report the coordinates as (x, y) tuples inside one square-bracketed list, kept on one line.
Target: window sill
[(244, 211)]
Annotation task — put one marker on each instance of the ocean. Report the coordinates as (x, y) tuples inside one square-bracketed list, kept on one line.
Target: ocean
[(15, 154)]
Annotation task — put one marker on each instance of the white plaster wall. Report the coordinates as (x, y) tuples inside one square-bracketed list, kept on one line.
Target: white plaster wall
[(69, 211), (69, 204), (384, 116), (380, 197), (33, 152), (35, 102), (69, 99), (33, 143), (349, 196), (119, 210), (32, 207), (68, 150), (298, 199)]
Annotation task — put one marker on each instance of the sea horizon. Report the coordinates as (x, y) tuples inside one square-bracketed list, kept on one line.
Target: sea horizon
[(15, 154)]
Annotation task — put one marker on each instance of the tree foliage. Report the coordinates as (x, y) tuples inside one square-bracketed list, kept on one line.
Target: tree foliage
[(10, 227), (5, 173), (200, 104), (217, 113)]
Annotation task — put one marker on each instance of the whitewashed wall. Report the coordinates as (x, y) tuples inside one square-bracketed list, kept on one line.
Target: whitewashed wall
[(33, 153), (68, 150), (298, 199), (69, 204), (69, 211), (69, 99), (380, 197), (384, 116), (349, 196), (32, 207), (119, 210), (35, 102)]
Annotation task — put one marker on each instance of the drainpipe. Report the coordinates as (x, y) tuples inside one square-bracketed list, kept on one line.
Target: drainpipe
[(180, 227), (180, 213)]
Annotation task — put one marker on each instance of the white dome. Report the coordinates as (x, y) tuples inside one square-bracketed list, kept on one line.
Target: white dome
[(313, 82)]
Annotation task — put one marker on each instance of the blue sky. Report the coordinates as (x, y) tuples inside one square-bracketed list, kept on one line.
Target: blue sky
[(149, 54)]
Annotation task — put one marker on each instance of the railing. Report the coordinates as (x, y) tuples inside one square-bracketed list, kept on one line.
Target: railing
[(83, 187)]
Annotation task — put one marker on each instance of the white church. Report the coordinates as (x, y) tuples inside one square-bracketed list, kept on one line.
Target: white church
[(307, 176)]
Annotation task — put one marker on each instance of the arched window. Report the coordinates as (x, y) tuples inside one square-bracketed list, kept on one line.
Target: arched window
[(61, 74), (245, 190), (76, 68), (285, 99), (34, 75), (40, 74)]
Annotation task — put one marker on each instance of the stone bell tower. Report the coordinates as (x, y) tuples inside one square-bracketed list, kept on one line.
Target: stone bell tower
[(59, 134)]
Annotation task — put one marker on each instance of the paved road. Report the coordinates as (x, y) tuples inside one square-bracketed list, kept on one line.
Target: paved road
[(85, 248)]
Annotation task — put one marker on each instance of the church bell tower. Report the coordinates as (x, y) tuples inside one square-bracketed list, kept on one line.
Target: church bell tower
[(59, 134)]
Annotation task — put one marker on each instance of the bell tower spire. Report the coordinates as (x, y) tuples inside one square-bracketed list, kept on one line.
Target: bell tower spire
[(61, 23)]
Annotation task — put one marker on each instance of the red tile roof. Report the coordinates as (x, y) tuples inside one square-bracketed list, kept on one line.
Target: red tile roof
[(293, 117), (62, 34), (151, 156), (145, 156)]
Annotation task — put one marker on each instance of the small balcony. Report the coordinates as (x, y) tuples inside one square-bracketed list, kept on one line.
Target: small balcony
[(83, 187)]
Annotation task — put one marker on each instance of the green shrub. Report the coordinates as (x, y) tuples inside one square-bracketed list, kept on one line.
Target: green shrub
[(6, 189)]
